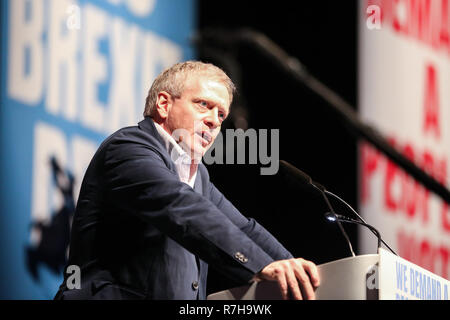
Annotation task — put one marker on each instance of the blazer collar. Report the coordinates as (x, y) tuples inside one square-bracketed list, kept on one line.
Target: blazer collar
[(148, 126)]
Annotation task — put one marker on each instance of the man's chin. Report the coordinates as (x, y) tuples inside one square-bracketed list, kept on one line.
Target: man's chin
[(197, 154)]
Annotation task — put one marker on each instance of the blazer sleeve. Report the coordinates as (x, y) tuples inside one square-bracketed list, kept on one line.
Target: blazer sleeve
[(140, 183), (251, 227)]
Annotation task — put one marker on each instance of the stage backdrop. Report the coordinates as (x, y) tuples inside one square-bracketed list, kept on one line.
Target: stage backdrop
[(72, 72), (404, 79)]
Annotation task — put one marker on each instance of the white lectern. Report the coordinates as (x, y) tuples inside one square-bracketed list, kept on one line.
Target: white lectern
[(382, 276)]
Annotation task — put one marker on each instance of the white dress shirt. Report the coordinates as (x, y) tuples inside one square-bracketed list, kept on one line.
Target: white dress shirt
[(180, 157)]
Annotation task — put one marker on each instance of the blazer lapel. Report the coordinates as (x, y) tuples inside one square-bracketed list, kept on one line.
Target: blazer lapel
[(198, 185)]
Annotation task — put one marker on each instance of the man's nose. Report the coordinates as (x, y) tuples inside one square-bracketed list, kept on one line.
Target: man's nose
[(212, 119)]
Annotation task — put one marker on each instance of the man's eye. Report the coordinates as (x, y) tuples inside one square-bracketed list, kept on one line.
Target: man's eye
[(203, 103)]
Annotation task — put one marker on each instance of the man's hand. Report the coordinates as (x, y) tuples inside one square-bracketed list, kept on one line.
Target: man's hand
[(297, 276)]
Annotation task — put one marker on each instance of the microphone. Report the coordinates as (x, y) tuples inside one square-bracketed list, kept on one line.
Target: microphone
[(305, 179), (294, 172)]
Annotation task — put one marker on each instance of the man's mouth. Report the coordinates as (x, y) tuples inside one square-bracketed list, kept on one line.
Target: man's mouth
[(206, 136)]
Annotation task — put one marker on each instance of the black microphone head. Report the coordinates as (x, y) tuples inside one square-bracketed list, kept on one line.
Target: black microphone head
[(289, 170)]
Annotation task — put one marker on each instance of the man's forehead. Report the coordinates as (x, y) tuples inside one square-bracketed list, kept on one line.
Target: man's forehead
[(195, 80), (207, 86)]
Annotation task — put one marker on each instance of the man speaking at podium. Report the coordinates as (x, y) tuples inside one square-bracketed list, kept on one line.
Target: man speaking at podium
[(148, 221)]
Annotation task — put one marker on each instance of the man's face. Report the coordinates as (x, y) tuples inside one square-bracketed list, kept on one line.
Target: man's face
[(199, 113)]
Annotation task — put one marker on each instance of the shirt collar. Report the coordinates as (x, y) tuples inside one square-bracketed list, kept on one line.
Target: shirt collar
[(172, 147), (178, 155)]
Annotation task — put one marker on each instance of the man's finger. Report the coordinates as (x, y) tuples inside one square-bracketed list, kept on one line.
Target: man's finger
[(305, 282), (293, 283), (283, 286), (313, 272), (281, 280)]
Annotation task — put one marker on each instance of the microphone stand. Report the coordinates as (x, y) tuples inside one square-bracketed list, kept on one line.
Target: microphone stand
[(341, 218), (361, 222)]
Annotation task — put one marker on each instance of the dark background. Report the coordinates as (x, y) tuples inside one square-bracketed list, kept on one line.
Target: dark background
[(322, 35)]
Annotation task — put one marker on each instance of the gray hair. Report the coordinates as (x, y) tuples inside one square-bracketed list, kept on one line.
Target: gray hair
[(172, 80)]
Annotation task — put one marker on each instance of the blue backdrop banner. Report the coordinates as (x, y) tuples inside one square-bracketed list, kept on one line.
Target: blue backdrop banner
[(72, 72)]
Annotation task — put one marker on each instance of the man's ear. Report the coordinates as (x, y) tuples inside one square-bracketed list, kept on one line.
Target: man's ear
[(163, 104)]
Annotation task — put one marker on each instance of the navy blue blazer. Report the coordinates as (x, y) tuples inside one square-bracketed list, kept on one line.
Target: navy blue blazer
[(140, 233)]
